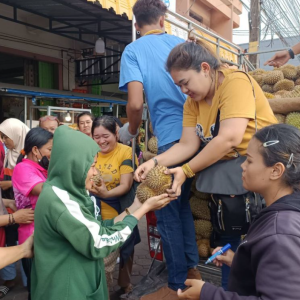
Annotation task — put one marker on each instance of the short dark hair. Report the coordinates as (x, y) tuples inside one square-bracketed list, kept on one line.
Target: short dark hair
[(35, 137), (85, 113), (288, 147), (118, 122), (147, 12), (108, 122)]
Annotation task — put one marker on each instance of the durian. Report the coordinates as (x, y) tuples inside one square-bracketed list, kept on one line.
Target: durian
[(198, 194), (258, 79), (155, 184), (259, 72), (282, 94), (269, 95), (280, 118), (272, 77), (157, 180), (293, 118), (289, 72), (97, 179), (267, 88), (200, 208), (297, 82), (297, 87), (152, 145), (203, 241), (284, 84), (143, 192), (203, 228), (204, 250), (198, 237), (298, 70)]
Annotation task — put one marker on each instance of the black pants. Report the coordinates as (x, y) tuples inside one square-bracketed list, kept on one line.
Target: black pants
[(27, 263)]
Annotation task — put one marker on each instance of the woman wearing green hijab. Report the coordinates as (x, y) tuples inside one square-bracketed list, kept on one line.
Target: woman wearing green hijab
[(70, 239)]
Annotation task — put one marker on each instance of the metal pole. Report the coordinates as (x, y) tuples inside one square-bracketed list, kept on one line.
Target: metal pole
[(48, 111), (117, 111), (133, 29), (133, 144), (30, 116), (72, 117), (25, 109)]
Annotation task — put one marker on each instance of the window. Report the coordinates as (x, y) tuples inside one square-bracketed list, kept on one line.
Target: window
[(196, 16)]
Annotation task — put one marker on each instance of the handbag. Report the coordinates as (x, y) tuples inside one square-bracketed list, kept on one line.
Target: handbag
[(232, 207)]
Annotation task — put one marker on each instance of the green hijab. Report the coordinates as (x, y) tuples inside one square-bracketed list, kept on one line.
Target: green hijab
[(72, 155)]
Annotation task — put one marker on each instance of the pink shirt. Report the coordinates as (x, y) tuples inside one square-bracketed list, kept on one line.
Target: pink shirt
[(26, 176)]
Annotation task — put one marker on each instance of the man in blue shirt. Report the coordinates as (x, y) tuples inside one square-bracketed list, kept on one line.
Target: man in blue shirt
[(143, 70)]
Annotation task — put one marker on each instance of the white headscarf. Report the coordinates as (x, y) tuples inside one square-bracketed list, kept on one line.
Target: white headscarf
[(16, 131)]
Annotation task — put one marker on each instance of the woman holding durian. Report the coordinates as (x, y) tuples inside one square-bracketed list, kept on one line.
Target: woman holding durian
[(213, 92)]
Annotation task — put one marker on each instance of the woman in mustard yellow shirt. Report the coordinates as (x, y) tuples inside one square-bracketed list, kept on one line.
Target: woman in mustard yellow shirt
[(211, 89), (114, 163)]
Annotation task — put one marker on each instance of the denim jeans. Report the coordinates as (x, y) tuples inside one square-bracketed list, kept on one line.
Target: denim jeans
[(176, 227), (234, 241)]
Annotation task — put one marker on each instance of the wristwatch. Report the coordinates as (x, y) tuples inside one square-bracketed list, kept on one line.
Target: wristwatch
[(155, 161), (291, 53)]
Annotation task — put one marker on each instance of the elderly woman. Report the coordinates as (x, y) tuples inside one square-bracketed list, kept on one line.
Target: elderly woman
[(70, 238), (49, 123)]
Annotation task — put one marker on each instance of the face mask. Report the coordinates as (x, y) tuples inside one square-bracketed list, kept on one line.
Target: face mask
[(44, 162)]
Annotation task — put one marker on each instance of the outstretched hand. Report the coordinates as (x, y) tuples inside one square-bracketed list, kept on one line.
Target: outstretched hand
[(279, 59), (142, 171), (194, 290), (178, 181)]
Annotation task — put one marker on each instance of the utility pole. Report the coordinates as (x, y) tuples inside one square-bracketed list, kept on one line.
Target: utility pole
[(254, 31)]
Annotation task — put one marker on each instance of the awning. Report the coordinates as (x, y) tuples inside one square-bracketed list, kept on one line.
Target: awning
[(33, 92)]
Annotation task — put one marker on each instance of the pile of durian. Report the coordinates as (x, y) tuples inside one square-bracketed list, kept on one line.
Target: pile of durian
[(282, 83), (155, 184), (203, 227)]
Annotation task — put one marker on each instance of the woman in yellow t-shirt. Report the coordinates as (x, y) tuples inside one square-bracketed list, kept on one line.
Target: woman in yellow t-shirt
[(211, 89), (114, 163)]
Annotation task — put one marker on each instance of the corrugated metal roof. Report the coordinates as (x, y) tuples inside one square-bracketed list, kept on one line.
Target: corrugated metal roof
[(120, 7)]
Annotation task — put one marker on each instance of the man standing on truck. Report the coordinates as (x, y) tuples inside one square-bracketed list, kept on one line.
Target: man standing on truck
[(143, 69)]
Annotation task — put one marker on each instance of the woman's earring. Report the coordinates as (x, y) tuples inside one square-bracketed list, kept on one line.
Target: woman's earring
[(138, 32)]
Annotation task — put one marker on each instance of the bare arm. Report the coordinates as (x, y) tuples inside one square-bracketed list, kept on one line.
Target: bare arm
[(189, 144), (230, 136), (5, 184), (134, 106), (21, 216), (9, 255), (37, 189)]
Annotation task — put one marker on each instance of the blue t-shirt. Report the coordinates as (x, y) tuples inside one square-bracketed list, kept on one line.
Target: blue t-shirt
[(145, 61)]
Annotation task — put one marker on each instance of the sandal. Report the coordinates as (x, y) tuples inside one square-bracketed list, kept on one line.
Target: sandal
[(3, 291)]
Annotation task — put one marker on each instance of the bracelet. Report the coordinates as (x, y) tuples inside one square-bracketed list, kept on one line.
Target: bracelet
[(188, 171), (291, 53), (13, 219), (127, 211), (155, 161)]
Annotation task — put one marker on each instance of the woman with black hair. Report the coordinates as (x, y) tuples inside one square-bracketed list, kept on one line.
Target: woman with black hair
[(266, 264), (28, 178)]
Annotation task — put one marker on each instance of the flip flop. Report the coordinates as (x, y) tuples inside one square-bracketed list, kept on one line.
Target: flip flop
[(3, 290)]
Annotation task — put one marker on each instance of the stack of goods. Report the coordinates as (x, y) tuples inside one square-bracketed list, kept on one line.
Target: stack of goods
[(155, 184), (73, 126), (203, 227), (282, 88), (152, 146)]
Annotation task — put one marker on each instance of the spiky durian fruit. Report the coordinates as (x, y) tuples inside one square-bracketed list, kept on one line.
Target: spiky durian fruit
[(204, 250), (152, 145), (259, 71), (267, 88), (203, 228), (143, 192), (198, 194), (289, 72), (198, 237), (297, 87), (293, 118), (203, 241), (258, 79), (284, 84), (269, 95), (280, 118), (294, 93), (298, 70), (97, 179), (282, 94), (157, 180), (272, 77), (297, 82), (200, 208)]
